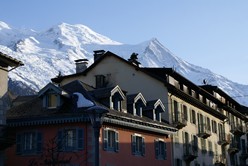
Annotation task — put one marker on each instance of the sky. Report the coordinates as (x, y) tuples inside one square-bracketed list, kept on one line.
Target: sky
[(209, 33)]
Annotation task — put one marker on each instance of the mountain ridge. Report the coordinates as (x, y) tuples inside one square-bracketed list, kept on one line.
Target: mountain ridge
[(53, 51)]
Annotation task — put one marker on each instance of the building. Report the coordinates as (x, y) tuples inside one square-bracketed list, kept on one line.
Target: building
[(54, 128), (7, 64), (211, 127)]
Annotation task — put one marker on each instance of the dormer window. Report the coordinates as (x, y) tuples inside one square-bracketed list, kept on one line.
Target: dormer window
[(136, 103), (116, 102), (116, 99), (154, 109)]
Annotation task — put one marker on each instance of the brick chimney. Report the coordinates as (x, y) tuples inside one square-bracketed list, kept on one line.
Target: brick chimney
[(98, 54), (81, 65)]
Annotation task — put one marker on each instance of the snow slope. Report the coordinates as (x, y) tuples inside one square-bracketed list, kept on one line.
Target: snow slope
[(47, 53)]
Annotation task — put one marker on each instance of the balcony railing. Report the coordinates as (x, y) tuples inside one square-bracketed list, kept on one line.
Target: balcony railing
[(203, 131), (178, 120), (234, 147), (190, 152), (237, 129), (219, 160), (224, 139)]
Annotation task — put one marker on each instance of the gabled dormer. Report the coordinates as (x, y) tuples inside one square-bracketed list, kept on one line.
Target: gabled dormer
[(52, 96), (154, 109), (135, 104), (117, 99)]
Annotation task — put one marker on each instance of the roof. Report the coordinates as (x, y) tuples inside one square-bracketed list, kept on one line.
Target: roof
[(33, 113), (6, 61)]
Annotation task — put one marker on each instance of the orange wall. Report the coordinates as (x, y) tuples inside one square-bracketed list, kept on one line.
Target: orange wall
[(49, 132), (125, 157)]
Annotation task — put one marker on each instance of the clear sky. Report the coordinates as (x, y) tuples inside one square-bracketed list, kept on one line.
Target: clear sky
[(208, 33)]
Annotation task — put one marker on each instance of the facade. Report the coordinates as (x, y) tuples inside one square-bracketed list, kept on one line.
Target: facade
[(211, 127), (54, 128), (6, 64)]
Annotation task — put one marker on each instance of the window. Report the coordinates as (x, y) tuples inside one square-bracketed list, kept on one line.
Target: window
[(185, 112), (178, 162), (138, 108), (157, 115), (100, 81), (195, 143), (176, 138), (160, 149), (71, 139), (193, 116), (116, 101), (210, 148), (214, 126), (203, 146), (110, 140), (28, 143), (138, 145)]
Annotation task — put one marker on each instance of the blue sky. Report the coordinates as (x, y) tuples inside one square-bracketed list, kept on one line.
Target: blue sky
[(208, 33)]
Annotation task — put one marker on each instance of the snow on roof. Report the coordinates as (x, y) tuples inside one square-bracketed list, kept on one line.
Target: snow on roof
[(82, 101)]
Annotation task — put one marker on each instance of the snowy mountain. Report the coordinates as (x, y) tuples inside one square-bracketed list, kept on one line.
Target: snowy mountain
[(47, 53)]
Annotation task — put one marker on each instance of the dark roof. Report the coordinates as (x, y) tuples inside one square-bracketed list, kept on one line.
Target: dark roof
[(32, 111), (106, 54), (6, 61)]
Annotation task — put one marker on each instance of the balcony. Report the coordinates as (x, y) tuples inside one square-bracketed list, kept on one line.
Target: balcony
[(233, 148), (189, 152), (219, 160), (179, 121), (224, 139), (203, 131), (237, 129)]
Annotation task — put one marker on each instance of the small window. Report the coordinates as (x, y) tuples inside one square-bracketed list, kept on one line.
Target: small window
[(193, 116), (138, 108), (71, 139), (160, 150), (138, 145), (100, 81), (210, 148), (110, 140), (214, 126), (28, 143), (185, 112)]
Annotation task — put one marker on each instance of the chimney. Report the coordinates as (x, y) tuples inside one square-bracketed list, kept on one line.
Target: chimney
[(98, 54), (134, 59), (81, 65)]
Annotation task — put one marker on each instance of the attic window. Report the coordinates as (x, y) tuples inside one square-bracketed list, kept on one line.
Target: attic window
[(100, 81)]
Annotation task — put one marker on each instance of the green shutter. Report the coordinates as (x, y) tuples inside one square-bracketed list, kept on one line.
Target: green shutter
[(156, 149), (18, 143), (116, 141), (165, 151), (60, 140), (80, 139), (143, 146), (105, 139), (39, 142), (133, 139)]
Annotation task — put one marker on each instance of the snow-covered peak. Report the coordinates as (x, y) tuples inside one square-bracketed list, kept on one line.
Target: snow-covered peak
[(48, 53), (3, 25), (74, 34)]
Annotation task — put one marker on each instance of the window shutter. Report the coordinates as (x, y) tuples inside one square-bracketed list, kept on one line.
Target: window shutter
[(143, 146), (18, 143), (133, 138), (57, 100), (156, 148), (60, 140), (39, 142), (105, 139), (45, 101), (165, 151), (80, 139), (116, 141)]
